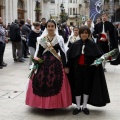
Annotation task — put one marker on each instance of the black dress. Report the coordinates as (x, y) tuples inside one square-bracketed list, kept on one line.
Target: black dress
[(99, 95)]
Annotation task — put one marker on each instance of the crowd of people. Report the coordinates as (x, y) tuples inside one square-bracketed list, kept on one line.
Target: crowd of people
[(66, 76)]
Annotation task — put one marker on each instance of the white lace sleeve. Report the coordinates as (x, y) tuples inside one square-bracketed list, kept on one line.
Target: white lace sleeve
[(37, 49), (62, 45), (41, 42)]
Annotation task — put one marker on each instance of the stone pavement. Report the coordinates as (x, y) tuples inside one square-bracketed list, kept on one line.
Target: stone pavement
[(13, 82)]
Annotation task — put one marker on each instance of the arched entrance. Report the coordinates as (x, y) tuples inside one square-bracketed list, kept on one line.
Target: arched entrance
[(21, 9)]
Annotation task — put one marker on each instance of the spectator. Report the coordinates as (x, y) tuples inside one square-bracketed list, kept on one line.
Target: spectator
[(3, 40), (33, 39), (43, 25), (28, 23), (25, 32), (16, 41)]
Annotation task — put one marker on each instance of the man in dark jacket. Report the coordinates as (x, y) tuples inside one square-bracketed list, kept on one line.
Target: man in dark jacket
[(25, 32), (105, 33), (43, 25), (16, 41)]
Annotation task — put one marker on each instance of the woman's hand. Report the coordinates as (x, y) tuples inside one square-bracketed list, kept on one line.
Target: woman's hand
[(66, 70), (36, 58)]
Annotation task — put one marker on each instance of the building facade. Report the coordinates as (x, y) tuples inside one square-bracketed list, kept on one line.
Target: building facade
[(77, 10), (17, 9), (113, 9)]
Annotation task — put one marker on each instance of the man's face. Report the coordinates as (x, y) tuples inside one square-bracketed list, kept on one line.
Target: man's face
[(98, 20), (43, 21), (1, 20), (104, 17), (29, 21)]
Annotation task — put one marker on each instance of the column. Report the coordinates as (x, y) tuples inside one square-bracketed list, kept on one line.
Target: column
[(15, 9), (6, 12), (11, 10), (33, 12), (28, 9)]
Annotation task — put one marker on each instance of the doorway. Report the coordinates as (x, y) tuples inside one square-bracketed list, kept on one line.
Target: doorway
[(21, 10)]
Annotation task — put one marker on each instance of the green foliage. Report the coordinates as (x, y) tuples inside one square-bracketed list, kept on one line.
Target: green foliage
[(63, 17)]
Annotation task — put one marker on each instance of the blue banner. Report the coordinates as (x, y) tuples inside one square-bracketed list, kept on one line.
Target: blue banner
[(95, 9)]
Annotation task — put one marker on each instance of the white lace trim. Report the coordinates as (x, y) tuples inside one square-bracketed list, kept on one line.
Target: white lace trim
[(43, 42), (72, 39)]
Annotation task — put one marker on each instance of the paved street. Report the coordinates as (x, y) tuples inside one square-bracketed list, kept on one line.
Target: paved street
[(13, 82)]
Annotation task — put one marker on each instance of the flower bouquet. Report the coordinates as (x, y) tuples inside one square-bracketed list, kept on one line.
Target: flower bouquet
[(112, 55), (37, 62)]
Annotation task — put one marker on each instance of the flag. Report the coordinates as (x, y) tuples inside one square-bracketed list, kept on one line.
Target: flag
[(95, 9)]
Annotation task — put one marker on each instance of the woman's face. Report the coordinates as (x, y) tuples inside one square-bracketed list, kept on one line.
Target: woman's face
[(89, 22), (84, 35), (51, 27), (76, 31)]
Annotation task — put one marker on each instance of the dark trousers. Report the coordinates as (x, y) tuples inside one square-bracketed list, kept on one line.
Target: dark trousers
[(24, 49), (2, 49), (82, 81), (17, 50)]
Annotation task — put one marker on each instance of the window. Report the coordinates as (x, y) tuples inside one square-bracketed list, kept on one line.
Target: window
[(20, 4), (52, 11), (73, 1), (70, 1), (73, 11), (52, 1)]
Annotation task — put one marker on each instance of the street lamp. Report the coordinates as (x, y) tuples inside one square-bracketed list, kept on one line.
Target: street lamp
[(62, 12), (37, 10)]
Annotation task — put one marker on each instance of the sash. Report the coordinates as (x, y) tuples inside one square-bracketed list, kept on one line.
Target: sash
[(52, 50)]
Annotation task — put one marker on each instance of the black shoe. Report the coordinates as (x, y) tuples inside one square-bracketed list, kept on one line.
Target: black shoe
[(26, 57), (1, 67), (76, 111), (20, 60), (15, 60), (4, 64), (86, 111), (104, 69)]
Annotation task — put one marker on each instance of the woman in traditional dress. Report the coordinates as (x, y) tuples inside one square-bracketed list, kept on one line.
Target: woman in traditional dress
[(89, 84), (49, 87), (74, 36)]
